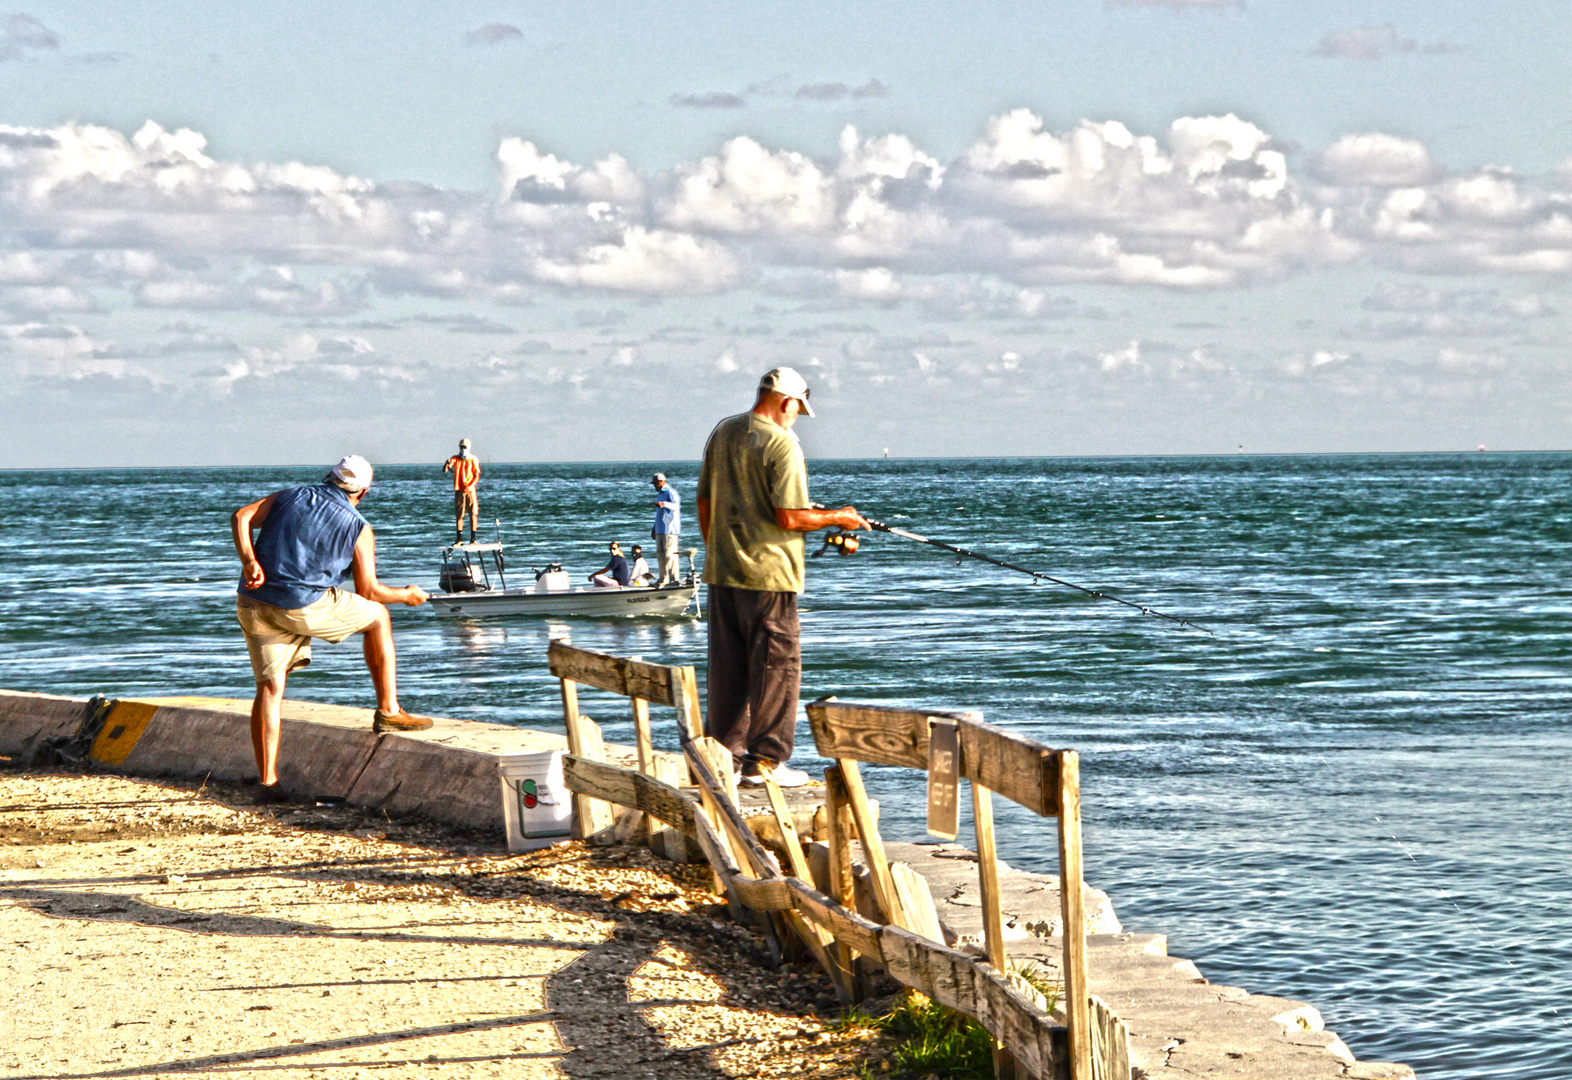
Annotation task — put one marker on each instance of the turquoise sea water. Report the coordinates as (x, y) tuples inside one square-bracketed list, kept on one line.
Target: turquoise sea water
[(1356, 793)]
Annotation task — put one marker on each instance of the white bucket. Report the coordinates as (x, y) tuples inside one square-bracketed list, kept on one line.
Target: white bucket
[(536, 803)]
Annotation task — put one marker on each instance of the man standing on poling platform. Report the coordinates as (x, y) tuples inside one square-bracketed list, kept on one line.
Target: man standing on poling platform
[(666, 530), (753, 510), (466, 477)]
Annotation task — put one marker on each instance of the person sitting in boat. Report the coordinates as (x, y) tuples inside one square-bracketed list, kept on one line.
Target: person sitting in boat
[(640, 574), (615, 574)]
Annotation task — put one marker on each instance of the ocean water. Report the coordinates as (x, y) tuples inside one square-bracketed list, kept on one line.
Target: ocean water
[(1354, 792)]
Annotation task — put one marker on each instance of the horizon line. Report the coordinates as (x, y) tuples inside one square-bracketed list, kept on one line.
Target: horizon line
[(919, 457)]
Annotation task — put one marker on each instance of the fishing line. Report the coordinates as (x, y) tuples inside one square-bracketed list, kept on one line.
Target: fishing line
[(1472, 925), (846, 543)]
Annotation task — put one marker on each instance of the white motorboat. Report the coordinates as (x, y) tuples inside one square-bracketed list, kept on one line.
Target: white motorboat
[(474, 585)]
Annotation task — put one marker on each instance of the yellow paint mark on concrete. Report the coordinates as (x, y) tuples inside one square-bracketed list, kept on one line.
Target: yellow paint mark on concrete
[(125, 725), (220, 704)]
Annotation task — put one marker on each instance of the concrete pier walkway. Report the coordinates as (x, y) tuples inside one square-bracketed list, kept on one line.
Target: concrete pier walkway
[(1181, 1025)]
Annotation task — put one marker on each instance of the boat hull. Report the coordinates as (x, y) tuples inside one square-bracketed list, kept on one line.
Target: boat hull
[(606, 603)]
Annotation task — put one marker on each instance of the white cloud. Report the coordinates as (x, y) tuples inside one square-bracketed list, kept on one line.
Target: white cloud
[(1125, 359), (1209, 203), (644, 260), (42, 300), (874, 284), (1378, 160)]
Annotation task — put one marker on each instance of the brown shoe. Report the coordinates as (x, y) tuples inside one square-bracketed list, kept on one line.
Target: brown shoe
[(399, 721)]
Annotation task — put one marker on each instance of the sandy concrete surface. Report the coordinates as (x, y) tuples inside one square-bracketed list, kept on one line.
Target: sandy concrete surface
[(165, 929)]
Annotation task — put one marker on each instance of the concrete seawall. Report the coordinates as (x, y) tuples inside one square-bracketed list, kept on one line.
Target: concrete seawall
[(328, 751)]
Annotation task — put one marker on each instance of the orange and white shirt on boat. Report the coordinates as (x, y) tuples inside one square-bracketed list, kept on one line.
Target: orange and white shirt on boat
[(466, 472)]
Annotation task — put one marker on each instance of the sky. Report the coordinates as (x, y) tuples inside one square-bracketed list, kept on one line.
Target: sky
[(278, 233)]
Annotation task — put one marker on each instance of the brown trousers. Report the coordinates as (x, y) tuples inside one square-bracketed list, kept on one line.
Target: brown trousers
[(755, 668)]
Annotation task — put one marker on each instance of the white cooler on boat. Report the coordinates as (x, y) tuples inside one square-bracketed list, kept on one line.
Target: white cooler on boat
[(536, 803), (554, 581)]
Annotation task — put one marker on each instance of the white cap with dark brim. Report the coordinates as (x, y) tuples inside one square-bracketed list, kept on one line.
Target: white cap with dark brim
[(785, 380), (353, 473)]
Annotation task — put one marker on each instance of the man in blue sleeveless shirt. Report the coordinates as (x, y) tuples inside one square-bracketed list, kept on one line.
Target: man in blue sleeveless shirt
[(310, 539)]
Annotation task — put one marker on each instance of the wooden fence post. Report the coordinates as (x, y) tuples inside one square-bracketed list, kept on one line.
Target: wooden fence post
[(992, 912), (843, 890), (593, 818), (872, 844), (816, 938), (1077, 1005)]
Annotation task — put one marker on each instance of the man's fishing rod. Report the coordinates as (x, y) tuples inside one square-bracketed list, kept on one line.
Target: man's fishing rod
[(846, 543)]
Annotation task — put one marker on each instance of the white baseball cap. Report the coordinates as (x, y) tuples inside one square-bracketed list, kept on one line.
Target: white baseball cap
[(353, 473), (785, 380)]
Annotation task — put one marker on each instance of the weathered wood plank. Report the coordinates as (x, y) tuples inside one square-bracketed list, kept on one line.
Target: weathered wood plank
[(1020, 769), (591, 817), (1015, 1021), (721, 865), (944, 773), (878, 734), (1076, 992), (620, 675), (763, 894), (751, 852), (911, 888), (838, 828), (672, 771), (988, 876), (645, 751), (820, 940), (1110, 1042), (685, 689), (628, 788), (1016, 767), (872, 842), (844, 924)]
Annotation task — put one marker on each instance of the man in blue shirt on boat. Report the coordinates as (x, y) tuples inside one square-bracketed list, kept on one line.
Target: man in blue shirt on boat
[(668, 526), (753, 510), (310, 539)]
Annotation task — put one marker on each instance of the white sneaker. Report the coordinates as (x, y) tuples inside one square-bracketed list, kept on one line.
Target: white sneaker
[(786, 776)]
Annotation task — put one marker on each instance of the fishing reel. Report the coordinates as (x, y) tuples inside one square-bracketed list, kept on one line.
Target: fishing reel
[(842, 541)]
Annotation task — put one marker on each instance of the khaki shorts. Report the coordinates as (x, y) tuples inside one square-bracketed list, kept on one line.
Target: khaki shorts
[(279, 639)]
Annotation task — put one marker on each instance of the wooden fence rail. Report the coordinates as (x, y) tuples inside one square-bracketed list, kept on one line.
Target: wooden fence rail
[(1088, 1042)]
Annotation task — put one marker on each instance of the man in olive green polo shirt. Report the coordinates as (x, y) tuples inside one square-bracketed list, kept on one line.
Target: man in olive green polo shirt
[(753, 510)]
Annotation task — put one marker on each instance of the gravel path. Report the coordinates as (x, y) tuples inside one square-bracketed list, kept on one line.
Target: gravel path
[(156, 929)]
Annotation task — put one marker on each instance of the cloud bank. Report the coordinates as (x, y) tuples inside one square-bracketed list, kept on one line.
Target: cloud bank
[(1210, 203)]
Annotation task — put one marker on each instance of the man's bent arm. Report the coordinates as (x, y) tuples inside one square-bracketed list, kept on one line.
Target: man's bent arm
[(703, 505), (846, 517), (366, 583), (241, 522)]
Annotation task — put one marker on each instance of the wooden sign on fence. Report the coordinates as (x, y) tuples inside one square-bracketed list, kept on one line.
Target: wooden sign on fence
[(944, 776)]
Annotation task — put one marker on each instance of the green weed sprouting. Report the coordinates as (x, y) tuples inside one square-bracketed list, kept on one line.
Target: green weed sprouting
[(929, 1039), (1039, 981)]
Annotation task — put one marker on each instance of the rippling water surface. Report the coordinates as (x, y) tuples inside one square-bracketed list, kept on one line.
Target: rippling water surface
[(1357, 792)]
